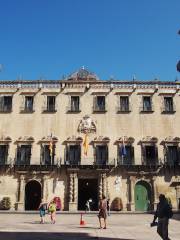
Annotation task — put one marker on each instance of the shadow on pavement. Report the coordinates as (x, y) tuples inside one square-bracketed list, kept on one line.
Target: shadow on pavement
[(51, 236), (176, 216)]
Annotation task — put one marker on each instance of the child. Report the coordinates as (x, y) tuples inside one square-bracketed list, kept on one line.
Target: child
[(42, 210), (52, 211)]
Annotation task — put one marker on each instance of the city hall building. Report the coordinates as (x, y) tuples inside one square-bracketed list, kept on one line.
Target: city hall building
[(82, 137)]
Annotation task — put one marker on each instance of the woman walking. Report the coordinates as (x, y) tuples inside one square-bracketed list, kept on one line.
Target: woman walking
[(102, 211), (52, 211)]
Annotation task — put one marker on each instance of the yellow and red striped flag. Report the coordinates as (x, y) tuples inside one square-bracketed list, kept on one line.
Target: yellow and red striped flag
[(85, 144), (51, 146)]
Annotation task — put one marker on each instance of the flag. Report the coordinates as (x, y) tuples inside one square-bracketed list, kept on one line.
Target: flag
[(178, 66), (123, 148), (85, 145), (51, 146)]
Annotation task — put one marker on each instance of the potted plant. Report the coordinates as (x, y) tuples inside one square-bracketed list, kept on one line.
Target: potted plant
[(6, 203), (117, 204)]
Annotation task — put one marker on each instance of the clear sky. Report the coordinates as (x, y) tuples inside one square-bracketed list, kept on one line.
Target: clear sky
[(113, 38)]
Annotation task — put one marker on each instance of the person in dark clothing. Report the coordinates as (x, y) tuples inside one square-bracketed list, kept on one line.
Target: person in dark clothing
[(163, 214), (102, 211)]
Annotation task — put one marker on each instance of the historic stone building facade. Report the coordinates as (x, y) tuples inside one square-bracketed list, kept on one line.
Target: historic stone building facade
[(83, 137)]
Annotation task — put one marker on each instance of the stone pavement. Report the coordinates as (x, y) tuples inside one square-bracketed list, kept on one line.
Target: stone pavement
[(120, 226)]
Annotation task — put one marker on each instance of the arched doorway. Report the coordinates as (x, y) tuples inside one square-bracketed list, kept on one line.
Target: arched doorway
[(142, 195), (88, 189), (32, 195)]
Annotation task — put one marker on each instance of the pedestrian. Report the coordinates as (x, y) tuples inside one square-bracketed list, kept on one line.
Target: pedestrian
[(42, 210), (108, 207), (52, 211), (102, 212), (87, 206), (163, 213)]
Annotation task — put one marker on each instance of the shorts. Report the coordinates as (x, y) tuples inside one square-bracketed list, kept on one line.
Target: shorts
[(42, 213)]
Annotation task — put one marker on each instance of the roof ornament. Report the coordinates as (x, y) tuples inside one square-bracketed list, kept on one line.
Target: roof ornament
[(134, 77)]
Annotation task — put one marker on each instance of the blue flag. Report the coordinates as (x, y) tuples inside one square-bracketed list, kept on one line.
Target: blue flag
[(123, 150)]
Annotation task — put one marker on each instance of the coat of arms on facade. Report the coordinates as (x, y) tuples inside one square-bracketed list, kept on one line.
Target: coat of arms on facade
[(87, 125)]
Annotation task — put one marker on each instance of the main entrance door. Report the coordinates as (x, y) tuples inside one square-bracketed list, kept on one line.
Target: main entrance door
[(32, 195), (87, 189), (142, 196)]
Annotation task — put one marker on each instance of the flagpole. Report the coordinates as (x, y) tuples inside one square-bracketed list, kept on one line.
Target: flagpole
[(123, 150)]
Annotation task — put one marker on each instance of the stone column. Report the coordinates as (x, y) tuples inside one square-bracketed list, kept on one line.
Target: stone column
[(75, 188), (154, 195), (103, 176), (178, 197), (129, 197), (100, 188), (132, 184), (103, 188), (21, 194), (45, 188), (73, 184)]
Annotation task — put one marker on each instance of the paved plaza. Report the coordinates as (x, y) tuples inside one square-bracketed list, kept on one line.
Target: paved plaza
[(120, 226)]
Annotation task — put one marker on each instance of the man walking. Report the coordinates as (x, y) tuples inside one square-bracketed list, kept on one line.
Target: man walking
[(163, 213)]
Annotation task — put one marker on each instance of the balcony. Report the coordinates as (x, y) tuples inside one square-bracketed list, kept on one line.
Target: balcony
[(5, 108), (36, 165), (124, 109), (24, 109), (90, 163), (99, 108), (73, 109), (147, 109), (168, 109), (49, 109)]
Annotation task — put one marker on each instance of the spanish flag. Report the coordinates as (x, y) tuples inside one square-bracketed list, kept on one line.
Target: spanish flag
[(85, 145)]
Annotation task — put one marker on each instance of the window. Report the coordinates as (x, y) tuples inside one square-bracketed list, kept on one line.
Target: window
[(149, 155), (99, 103), (124, 104), (126, 156), (101, 154), (147, 105), (75, 103), (24, 155), (3, 154), (51, 103), (168, 104), (46, 157), (6, 103), (172, 157), (28, 107), (73, 156)]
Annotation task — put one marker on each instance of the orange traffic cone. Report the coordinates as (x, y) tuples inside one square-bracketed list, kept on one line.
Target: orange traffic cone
[(82, 222)]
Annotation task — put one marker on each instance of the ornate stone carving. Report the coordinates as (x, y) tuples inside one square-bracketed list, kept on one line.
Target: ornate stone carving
[(87, 125), (29, 139)]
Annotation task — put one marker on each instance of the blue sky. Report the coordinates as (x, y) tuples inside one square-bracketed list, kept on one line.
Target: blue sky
[(113, 38)]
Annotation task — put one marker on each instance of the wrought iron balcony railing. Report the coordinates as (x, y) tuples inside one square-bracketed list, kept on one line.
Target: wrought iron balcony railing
[(6, 108), (99, 108), (73, 109), (24, 109), (147, 109), (49, 109), (124, 108), (168, 109), (84, 161)]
